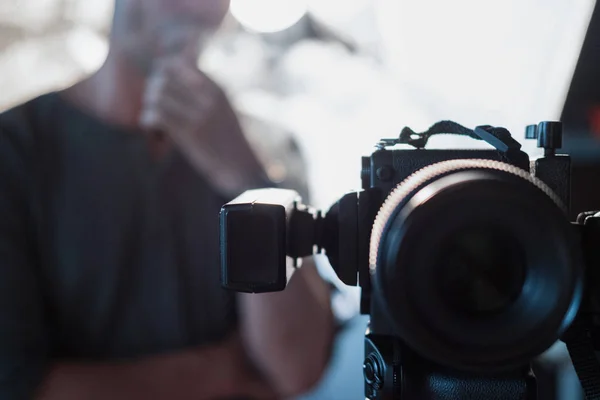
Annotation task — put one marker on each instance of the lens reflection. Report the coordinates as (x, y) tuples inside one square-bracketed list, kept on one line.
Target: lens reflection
[(481, 270)]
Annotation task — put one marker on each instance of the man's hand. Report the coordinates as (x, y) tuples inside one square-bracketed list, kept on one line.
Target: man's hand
[(177, 104), (184, 105), (289, 335), (178, 99)]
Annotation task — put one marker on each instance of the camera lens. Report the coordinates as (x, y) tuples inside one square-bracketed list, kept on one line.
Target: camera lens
[(475, 265), (481, 270)]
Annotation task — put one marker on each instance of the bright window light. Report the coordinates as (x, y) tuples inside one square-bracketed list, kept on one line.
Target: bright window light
[(338, 11), (506, 63), (268, 15)]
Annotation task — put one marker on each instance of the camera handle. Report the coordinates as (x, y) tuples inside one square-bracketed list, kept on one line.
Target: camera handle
[(499, 138)]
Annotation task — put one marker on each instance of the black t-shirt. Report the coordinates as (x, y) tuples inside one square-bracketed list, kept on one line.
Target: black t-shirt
[(105, 253)]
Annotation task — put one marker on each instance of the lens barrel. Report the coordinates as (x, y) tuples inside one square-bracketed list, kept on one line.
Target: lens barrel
[(476, 265)]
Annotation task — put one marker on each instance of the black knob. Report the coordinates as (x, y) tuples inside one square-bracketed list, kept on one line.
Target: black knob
[(365, 173), (372, 372), (531, 132), (549, 136), (385, 173)]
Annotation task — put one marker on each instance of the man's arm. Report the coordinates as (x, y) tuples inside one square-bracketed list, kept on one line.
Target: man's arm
[(289, 335), (215, 372)]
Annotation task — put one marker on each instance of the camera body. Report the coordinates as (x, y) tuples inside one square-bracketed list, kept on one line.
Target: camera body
[(387, 167), (392, 369), (468, 265)]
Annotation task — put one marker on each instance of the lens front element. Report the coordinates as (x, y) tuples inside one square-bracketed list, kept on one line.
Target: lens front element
[(481, 270)]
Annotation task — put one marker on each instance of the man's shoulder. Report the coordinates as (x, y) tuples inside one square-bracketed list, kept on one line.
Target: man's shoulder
[(20, 128), (28, 115), (22, 124)]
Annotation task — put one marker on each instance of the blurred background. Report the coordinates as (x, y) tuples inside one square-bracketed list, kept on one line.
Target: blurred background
[(334, 76), (337, 75)]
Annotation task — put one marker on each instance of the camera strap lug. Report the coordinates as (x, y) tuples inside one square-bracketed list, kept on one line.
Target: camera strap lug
[(499, 138)]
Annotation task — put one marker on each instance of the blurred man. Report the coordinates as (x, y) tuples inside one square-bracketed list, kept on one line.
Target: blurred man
[(109, 195)]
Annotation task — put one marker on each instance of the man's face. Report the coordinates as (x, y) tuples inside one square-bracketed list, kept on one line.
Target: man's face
[(152, 29)]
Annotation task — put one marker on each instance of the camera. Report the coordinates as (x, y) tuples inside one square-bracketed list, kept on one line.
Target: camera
[(468, 263)]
